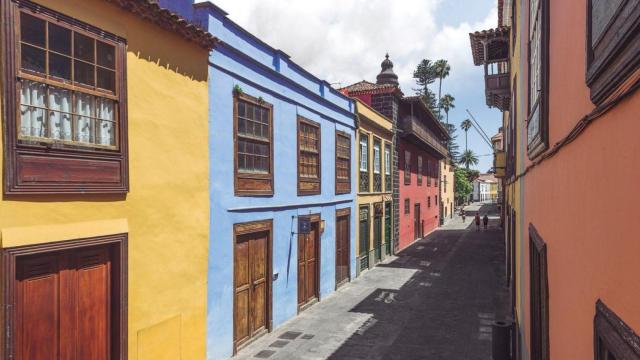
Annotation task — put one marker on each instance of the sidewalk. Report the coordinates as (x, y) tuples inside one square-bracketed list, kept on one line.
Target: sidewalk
[(436, 300)]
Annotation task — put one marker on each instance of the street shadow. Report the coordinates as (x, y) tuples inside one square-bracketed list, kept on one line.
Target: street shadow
[(444, 311)]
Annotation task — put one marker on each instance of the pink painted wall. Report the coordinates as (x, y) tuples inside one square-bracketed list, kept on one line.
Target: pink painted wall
[(417, 194)]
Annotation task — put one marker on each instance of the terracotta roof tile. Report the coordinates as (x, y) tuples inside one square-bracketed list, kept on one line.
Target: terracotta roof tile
[(151, 11), (368, 87), (476, 38)]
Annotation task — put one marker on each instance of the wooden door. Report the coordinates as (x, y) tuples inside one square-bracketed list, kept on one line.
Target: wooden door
[(417, 223), (377, 235), (251, 286), (387, 227), (308, 270), (342, 249), (364, 237), (64, 305)]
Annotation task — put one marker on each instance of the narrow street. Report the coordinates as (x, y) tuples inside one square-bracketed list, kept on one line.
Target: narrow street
[(436, 300)]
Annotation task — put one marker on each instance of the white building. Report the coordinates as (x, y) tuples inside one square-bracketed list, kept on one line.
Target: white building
[(485, 188)]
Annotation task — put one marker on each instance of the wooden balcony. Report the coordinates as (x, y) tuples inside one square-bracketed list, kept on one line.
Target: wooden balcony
[(414, 129), (499, 163), (497, 85)]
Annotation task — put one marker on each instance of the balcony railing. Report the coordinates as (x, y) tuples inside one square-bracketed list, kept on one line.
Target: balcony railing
[(499, 163), (497, 85), (414, 127)]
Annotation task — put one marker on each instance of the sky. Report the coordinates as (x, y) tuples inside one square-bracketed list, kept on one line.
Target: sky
[(344, 41)]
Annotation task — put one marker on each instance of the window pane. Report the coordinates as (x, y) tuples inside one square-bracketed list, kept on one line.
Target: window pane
[(106, 55), (59, 39), (59, 116), (83, 47), (83, 73), (84, 123), (32, 30), (32, 58), (105, 128), (106, 79), (60, 66)]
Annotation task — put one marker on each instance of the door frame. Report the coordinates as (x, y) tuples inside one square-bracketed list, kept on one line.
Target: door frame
[(313, 218), (118, 242), (378, 215), (340, 213), (244, 229), (417, 215)]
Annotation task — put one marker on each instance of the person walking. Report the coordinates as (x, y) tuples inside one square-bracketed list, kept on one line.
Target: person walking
[(464, 215), (477, 219), (485, 221)]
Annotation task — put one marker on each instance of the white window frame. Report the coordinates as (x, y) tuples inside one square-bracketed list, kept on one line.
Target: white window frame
[(364, 153), (376, 157)]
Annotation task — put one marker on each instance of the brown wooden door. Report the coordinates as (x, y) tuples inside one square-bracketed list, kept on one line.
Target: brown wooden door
[(251, 286), (308, 276), (417, 222), (342, 249), (64, 305)]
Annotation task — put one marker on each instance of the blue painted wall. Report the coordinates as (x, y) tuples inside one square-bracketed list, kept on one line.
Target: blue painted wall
[(262, 71)]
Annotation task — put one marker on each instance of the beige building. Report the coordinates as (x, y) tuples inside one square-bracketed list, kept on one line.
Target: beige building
[(375, 203), (447, 190)]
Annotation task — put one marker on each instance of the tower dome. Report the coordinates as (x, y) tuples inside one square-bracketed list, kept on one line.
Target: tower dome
[(387, 76)]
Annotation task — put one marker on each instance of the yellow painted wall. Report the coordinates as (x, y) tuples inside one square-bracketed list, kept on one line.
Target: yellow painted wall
[(166, 211), (447, 197), (375, 125)]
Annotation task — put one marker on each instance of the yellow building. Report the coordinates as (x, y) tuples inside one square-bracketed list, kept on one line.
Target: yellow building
[(447, 191), (375, 203), (104, 219)]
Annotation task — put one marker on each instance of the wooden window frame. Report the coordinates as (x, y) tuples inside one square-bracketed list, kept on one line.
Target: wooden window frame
[(246, 184), (615, 55), (407, 206), (388, 179), (364, 174), (420, 169), (377, 176), (309, 186), (613, 335), (343, 186), (407, 167), (540, 141), (71, 167), (117, 242), (539, 296)]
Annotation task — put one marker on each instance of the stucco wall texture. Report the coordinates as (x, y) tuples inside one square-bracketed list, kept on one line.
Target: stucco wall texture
[(417, 194), (591, 232), (166, 212)]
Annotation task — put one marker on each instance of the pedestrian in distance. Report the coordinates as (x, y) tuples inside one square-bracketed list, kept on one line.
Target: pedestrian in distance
[(464, 215), (485, 221), (477, 219)]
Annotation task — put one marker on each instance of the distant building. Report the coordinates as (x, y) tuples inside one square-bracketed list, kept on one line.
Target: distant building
[(485, 188), (447, 190)]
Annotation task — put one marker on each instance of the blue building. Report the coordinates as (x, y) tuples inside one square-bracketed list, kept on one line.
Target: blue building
[(282, 185)]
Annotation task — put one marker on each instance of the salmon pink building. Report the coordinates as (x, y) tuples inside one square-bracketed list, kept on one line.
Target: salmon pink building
[(566, 76)]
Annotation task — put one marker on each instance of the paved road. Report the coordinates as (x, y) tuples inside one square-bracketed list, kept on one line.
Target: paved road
[(435, 300)]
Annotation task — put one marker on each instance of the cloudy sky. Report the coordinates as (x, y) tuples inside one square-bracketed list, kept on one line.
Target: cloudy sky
[(344, 41)]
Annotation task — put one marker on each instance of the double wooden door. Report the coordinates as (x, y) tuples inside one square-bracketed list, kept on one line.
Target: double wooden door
[(64, 305), (377, 232), (387, 226), (308, 266), (342, 249), (251, 265)]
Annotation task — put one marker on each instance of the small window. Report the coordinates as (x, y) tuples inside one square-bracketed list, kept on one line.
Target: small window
[(613, 46), (308, 157), (387, 167), (428, 201), (614, 339), (419, 170), (343, 163), (537, 132), (435, 175), (407, 168), (364, 163), (254, 146), (407, 208), (436, 200), (539, 296), (377, 166)]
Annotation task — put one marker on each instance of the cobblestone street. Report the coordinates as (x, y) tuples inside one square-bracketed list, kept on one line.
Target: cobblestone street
[(436, 300)]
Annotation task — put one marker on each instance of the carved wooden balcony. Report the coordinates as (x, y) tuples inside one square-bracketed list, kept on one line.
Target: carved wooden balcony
[(499, 163), (414, 128), (491, 49)]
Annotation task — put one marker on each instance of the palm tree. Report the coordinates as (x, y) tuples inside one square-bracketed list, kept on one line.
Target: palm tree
[(446, 103), (465, 125), (441, 68), (468, 158)]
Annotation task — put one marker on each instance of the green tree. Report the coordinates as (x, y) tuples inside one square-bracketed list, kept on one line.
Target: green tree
[(468, 158), (465, 125), (425, 75), (446, 104), (462, 186), (442, 69), (452, 144)]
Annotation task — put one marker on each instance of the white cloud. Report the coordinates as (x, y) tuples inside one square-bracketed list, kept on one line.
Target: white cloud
[(345, 41)]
